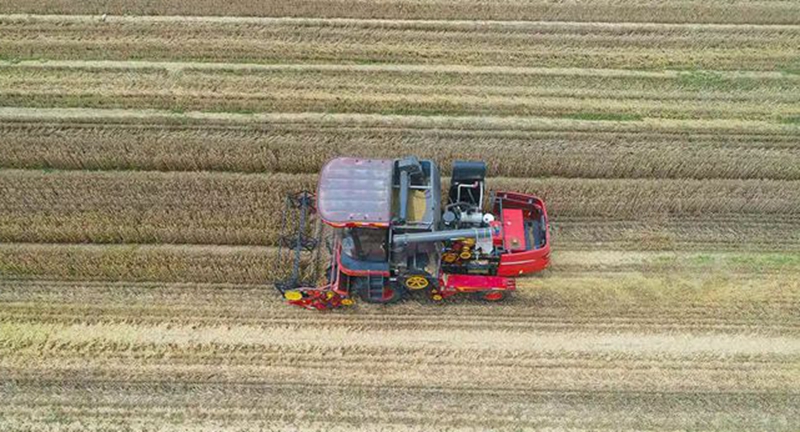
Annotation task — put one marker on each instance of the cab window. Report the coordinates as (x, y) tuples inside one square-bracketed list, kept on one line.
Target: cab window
[(365, 244)]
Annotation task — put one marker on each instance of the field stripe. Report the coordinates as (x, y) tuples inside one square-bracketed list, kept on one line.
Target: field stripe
[(142, 403), (517, 123), (283, 40), (277, 145), (260, 265), (181, 66), (760, 12), (234, 208), (682, 297), (525, 342), (411, 23), (606, 97)]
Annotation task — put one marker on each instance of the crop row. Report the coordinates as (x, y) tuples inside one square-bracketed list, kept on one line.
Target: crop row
[(189, 77), (686, 96), (575, 149), (140, 263), (225, 208), (691, 11), (263, 265), (623, 46)]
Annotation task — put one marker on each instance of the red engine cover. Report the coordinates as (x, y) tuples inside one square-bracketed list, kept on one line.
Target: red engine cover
[(513, 230)]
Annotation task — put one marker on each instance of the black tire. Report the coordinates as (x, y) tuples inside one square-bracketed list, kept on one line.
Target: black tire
[(328, 271), (491, 296)]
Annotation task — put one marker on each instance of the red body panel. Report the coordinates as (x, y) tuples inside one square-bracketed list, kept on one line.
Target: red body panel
[(516, 263), (513, 230), (474, 283)]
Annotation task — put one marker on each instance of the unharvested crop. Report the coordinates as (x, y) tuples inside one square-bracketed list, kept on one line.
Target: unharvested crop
[(302, 143), (226, 208), (181, 263), (282, 40), (589, 94)]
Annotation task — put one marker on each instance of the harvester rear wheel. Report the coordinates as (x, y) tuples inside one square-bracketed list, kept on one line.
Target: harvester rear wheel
[(491, 296), (416, 281)]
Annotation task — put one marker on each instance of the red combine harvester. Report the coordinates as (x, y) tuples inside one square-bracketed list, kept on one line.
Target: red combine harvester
[(389, 234)]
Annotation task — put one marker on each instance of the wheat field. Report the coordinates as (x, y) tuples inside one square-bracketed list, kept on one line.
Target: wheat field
[(146, 146)]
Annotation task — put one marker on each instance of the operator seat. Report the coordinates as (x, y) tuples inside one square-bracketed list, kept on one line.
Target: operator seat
[(466, 184)]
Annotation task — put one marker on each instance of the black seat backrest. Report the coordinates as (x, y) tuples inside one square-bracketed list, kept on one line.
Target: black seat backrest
[(467, 173)]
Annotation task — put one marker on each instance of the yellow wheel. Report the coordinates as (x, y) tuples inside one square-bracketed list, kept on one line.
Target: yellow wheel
[(347, 302), (293, 295), (465, 254), (450, 257), (437, 297), (416, 282)]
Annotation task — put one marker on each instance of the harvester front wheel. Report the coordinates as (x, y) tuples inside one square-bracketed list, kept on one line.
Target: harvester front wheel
[(388, 294)]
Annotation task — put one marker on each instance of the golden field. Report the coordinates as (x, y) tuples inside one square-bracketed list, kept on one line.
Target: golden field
[(145, 147)]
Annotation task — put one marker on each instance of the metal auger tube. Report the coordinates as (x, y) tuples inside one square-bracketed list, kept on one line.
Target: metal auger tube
[(430, 237), (404, 186)]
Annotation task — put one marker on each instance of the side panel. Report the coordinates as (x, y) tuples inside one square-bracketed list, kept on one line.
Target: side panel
[(478, 283), (518, 263), (515, 264), (513, 230)]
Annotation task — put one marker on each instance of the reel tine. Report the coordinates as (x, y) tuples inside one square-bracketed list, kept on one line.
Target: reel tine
[(296, 237)]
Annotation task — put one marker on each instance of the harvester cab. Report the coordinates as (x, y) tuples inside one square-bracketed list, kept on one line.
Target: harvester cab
[(388, 234)]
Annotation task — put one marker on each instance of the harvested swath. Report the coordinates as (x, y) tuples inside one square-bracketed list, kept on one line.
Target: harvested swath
[(697, 294), (469, 359), (755, 361), (626, 96), (604, 345), (273, 144), (140, 263), (696, 11), (266, 40), (207, 405), (225, 208)]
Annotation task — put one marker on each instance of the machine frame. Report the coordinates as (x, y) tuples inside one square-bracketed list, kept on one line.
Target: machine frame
[(426, 248)]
